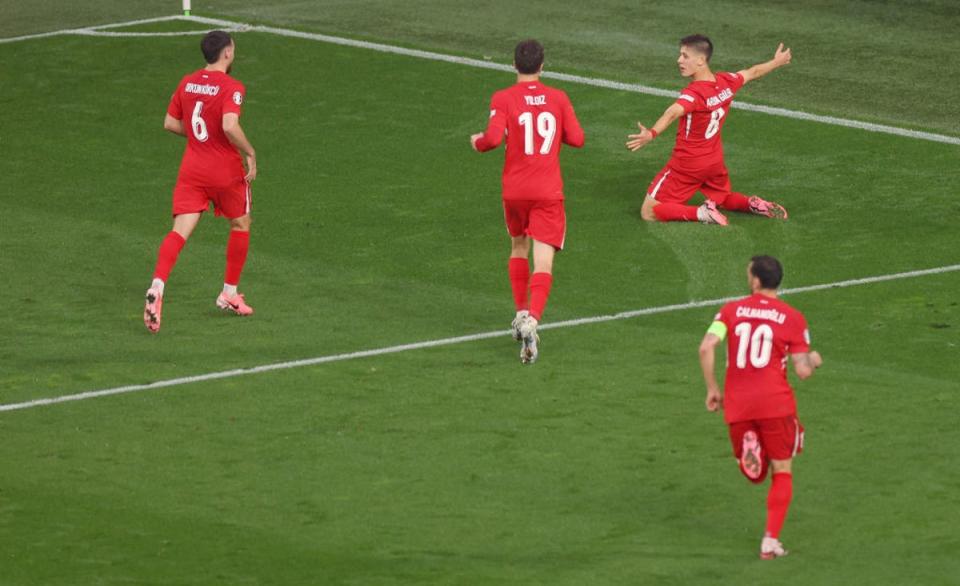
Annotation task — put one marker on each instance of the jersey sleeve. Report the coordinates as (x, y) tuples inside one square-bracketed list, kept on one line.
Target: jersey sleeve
[(493, 136), (687, 100), (233, 103), (734, 79), (572, 131), (799, 341), (720, 325), (175, 108)]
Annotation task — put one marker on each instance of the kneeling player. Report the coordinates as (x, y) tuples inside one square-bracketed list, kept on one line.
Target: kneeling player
[(697, 160), (536, 119), (758, 403)]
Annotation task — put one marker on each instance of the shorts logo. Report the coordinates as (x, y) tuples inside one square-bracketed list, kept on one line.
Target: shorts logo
[(493, 113), (237, 98)]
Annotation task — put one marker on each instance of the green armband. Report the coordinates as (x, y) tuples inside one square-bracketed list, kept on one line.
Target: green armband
[(718, 329)]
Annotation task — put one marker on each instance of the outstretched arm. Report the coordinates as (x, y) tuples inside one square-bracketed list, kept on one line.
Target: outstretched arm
[(780, 58), (231, 127), (639, 140), (708, 346)]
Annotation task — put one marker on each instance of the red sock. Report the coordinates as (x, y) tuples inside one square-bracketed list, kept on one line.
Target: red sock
[(668, 212), (237, 247), (736, 202), (539, 291), (519, 270), (778, 501), (167, 256)]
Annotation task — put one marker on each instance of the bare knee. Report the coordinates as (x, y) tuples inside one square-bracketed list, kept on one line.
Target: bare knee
[(781, 466), (646, 211), (519, 246), (543, 254), (242, 223)]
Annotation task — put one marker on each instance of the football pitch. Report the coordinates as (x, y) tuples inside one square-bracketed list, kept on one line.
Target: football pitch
[(393, 437)]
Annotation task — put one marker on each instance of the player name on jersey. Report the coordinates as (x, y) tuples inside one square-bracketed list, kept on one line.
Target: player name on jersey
[(536, 100), (757, 313), (202, 89), (722, 97)]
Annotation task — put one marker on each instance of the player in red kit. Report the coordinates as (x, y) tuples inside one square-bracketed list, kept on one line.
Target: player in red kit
[(757, 401), (536, 119), (697, 159), (205, 109)]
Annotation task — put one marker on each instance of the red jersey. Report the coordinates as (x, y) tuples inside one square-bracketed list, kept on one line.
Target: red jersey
[(201, 100), (536, 119), (761, 333), (706, 104)]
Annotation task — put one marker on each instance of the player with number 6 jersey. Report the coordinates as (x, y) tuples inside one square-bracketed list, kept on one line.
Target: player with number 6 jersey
[(536, 119), (205, 108), (697, 161), (758, 403)]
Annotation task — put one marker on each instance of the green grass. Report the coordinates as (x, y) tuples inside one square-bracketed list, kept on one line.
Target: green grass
[(377, 225)]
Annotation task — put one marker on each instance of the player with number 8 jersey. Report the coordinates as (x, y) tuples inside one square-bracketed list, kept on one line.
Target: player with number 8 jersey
[(697, 161), (536, 119)]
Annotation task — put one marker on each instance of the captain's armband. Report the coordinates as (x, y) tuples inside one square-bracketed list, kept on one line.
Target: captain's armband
[(718, 329)]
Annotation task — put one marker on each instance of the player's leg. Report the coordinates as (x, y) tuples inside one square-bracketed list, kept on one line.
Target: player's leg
[(718, 188), (516, 216), (667, 197), (234, 203), (783, 438), (167, 255), (548, 229)]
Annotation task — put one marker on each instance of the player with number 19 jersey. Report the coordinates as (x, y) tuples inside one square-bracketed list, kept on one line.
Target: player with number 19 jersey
[(210, 159), (762, 333), (536, 119)]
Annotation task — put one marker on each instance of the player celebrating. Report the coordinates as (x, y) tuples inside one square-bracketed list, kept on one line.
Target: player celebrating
[(697, 160), (757, 401), (536, 119), (206, 110)]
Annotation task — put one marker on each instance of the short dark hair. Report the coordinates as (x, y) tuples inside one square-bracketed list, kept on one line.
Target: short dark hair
[(213, 44), (699, 43), (528, 56), (768, 270)]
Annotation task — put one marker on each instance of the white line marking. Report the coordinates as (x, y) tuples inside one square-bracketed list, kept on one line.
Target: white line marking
[(430, 55), (450, 341)]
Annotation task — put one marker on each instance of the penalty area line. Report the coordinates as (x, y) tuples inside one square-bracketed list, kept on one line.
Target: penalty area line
[(237, 372)]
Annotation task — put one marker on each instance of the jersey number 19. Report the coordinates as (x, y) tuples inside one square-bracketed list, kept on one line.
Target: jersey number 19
[(546, 128)]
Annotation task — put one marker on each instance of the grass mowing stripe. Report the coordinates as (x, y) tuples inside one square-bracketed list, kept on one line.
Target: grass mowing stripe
[(454, 340), (420, 54)]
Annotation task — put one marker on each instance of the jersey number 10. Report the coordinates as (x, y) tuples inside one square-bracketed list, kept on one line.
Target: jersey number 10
[(546, 128), (758, 346)]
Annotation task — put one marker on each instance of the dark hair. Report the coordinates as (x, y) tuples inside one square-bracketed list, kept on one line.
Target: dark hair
[(213, 44), (699, 43), (768, 270), (528, 56)]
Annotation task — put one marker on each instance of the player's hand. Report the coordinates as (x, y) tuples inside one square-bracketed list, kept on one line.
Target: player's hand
[(714, 399), (473, 140), (639, 140), (815, 359), (251, 168), (782, 56)]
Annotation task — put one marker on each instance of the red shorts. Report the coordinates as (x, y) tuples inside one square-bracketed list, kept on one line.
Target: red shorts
[(781, 438), (543, 220), (673, 186), (232, 201)]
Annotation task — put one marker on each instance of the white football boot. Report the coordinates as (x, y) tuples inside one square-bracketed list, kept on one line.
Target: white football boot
[(515, 324), (528, 333), (771, 548)]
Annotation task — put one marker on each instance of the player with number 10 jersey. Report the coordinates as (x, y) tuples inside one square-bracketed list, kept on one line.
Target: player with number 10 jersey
[(536, 119)]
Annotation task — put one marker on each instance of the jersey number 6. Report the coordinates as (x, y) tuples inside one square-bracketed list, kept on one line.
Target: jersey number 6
[(546, 128), (198, 124)]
